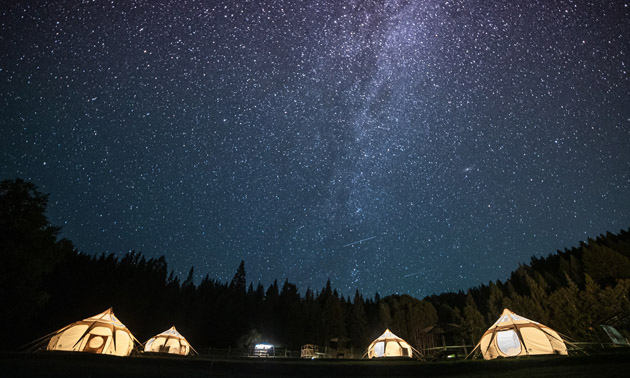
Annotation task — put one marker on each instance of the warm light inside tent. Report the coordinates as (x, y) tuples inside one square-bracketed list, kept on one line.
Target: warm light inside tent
[(513, 335), (102, 333), (389, 345)]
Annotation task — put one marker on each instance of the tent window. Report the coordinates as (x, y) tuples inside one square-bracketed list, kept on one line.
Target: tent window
[(508, 342), (95, 344)]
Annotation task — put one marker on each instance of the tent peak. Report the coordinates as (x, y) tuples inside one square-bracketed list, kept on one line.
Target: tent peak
[(388, 335)]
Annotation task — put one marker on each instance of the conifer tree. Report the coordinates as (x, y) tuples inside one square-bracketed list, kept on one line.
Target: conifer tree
[(495, 302), (239, 281), (473, 324), (29, 249), (604, 265), (358, 322)]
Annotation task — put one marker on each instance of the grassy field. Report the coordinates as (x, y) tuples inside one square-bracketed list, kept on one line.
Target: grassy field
[(88, 365)]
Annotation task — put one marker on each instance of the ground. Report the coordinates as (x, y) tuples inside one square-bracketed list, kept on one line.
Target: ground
[(86, 365)]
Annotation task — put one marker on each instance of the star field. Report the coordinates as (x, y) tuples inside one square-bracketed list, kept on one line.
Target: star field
[(393, 146)]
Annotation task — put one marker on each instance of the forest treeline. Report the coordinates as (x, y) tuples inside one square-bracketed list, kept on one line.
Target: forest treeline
[(46, 284)]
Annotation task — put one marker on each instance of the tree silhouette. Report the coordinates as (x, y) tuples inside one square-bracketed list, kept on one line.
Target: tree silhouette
[(358, 322), (239, 281), (473, 324), (28, 250), (604, 265)]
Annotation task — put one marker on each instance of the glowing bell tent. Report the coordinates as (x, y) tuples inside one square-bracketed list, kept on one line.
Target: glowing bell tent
[(102, 334), (389, 345), (169, 341), (513, 335)]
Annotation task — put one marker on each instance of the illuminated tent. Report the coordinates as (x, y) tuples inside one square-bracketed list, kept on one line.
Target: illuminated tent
[(102, 334), (389, 345), (513, 335), (169, 341)]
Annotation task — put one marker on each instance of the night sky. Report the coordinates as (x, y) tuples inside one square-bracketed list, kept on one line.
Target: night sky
[(392, 146)]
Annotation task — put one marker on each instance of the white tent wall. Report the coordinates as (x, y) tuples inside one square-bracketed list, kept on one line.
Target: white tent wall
[(537, 342), (173, 346), (67, 339), (394, 348)]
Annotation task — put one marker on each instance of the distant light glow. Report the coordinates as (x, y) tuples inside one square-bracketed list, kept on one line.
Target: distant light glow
[(263, 346)]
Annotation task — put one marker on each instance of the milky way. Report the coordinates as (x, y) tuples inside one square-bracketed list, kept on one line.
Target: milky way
[(392, 146)]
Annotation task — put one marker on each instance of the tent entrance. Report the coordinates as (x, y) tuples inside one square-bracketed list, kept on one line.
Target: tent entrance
[(508, 342), (379, 349)]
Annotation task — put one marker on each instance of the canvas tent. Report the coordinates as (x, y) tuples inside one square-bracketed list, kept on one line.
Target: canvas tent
[(102, 333), (389, 345), (513, 335), (169, 341)]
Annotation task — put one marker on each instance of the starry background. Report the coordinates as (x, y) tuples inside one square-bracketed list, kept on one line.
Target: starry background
[(394, 146)]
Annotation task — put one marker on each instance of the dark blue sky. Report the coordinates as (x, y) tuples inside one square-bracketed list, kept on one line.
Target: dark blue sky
[(454, 139)]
